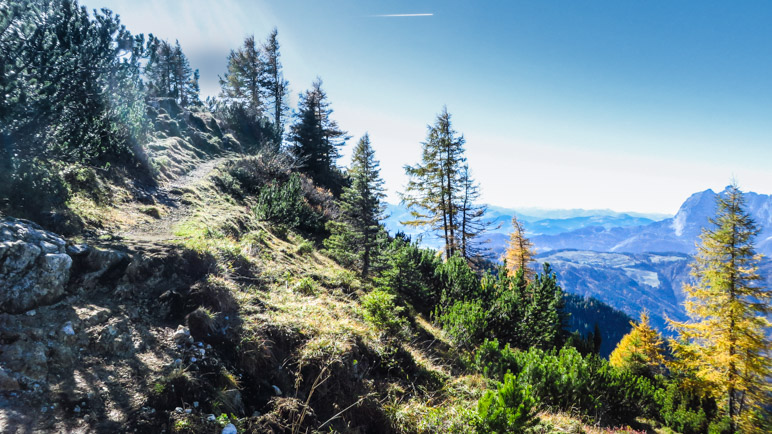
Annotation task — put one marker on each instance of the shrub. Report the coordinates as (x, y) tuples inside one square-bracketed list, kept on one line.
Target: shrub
[(33, 189), (494, 361), (381, 310), (410, 270), (510, 408), (683, 410), (246, 176), (305, 247), (284, 204), (457, 280), (465, 322), (306, 286), (568, 381)]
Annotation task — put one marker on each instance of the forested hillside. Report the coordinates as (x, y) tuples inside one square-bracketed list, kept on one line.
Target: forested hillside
[(173, 264)]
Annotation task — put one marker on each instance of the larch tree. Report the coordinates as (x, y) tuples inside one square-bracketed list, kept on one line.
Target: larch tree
[(356, 238), (277, 88), (641, 350), (315, 138), (519, 253), (726, 344), (470, 217), (433, 190)]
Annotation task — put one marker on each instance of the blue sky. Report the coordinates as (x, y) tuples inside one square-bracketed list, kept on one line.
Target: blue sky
[(627, 105)]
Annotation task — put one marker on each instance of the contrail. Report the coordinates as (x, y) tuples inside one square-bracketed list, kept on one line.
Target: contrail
[(402, 15)]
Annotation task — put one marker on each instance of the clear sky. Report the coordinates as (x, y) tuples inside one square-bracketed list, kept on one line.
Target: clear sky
[(628, 105)]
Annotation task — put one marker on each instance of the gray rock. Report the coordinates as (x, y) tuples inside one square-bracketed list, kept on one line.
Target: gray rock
[(48, 247), (7, 383), (67, 329), (78, 249), (181, 335), (26, 357), (34, 270), (102, 262)]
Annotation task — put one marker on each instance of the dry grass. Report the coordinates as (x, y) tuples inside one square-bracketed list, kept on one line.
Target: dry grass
[(564, 423)]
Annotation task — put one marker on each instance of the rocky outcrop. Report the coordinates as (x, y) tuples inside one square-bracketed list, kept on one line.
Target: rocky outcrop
[(34, 266)]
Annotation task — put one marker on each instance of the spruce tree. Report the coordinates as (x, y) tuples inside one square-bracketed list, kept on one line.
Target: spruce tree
[(355, 240), (169, 74), (545, 318), (433, 191), (727, 343), (315, 138), (276, 86), (193, 94)]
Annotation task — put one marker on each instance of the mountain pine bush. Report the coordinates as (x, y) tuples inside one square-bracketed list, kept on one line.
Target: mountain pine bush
[(510, 408), (568, 381)]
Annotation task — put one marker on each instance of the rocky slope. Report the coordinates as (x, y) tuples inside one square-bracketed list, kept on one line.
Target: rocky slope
[(219, 320)]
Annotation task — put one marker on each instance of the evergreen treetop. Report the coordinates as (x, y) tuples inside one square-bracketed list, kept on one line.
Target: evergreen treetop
[(315, 138), (358, 237), (433, 191)]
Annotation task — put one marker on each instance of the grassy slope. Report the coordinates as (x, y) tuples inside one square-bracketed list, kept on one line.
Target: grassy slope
[(302, 323)]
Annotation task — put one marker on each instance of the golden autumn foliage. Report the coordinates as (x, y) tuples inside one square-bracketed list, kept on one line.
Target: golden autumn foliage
[(639, 351), (727, 344), (519, 252)]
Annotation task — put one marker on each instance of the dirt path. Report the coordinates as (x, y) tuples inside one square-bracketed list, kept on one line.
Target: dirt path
[(173, 211)]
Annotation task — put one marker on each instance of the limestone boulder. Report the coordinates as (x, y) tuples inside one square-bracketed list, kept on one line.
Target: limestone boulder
[(34, 266)]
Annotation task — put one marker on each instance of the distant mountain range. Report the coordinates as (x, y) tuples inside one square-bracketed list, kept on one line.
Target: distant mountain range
[(677, 234), (537, 222), (629, 282), (629, 261)]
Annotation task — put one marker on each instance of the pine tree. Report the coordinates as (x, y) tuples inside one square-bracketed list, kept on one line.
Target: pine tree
[(433, 191), (193, 94), (471, 214), (159, 69), (316, 138), (727, 343), (640, 351), (356, 239), (519, 253), (545, 318), (276, 86), (242, 85), (169, 74), (180, 69)]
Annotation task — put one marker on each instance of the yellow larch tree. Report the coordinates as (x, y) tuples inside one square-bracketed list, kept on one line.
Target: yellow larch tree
[(726, 343), (640, 351), (519, 252)]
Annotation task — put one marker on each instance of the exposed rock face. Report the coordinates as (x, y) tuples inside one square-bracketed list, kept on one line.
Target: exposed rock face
[(34, 266)]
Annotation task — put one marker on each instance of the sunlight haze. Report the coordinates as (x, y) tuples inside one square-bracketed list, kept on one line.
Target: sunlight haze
[(631, 106)]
